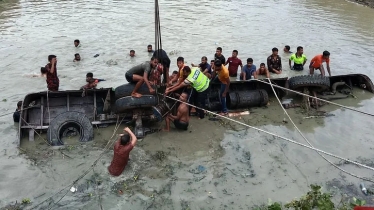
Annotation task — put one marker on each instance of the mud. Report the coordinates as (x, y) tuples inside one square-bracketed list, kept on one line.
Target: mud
[(213, 165), (368, 3)]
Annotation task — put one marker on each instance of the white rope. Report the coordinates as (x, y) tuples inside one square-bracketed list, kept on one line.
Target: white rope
[(281, 137), (320, 99), (298, 130)]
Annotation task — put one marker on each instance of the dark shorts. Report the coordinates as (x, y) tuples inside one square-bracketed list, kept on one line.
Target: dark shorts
[(298, 67), (129, 78), (180, 125)]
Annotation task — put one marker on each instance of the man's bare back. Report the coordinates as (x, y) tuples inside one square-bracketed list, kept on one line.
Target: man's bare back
[(182, 118)]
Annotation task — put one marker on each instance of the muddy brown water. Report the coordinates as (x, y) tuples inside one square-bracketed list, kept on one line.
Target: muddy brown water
[(214, 165)]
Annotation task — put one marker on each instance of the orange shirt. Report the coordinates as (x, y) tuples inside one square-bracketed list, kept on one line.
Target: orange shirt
[(318, 60), (223, 75), (181, 72)]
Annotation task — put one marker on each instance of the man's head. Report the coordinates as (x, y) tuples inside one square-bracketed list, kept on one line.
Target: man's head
[(217, 65), (89, 77), (174, 73), (183, 97), (43, 70), (234, 53), (77, 57), (125, 139), (212, 63), (219, 51), (204, 59), (132, 53), (19, 104), (249, 62), (186, 71), (50, 57), (262, 66), (149, 48), (275, 51), (76, 42), (180, 62), (300, 50), (154, 62), (326, 54), (287, 48)]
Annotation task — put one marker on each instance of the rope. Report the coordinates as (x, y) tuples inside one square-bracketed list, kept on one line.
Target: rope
[(303, 94), (83, 175), (281, 137), (17, 111), (298, 130)]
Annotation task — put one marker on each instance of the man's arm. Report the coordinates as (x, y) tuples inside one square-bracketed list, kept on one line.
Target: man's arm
[(225, 63), (175, 87), (280, 64), (305, 61), (132, 136), (328, 68), (270, 67), (145, 77)]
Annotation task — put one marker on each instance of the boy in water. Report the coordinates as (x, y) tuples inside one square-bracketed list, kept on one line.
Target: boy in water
[(77, 43), (77, 57), (132, 53), (262, 71), (16, 114), (122, 148), (91, 82), (182, 118), (52, 79)]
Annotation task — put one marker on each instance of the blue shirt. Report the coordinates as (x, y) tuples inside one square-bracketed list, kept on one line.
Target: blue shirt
[(205, 66), (248, 71)]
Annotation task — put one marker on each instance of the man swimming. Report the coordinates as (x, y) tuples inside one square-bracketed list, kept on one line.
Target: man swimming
[(77, 57), (182, 118)]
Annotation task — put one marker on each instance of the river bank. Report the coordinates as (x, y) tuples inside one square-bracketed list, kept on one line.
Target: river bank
[(368, 3)]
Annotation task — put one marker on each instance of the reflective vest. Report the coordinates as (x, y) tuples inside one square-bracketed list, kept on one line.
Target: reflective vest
[(198, 80)]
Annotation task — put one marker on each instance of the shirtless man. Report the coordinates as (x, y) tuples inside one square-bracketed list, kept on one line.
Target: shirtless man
[(182, 118), (262, 71)]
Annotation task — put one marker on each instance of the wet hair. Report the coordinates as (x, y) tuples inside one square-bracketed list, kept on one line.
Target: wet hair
[(262, 64), (180, 59), (149, 45), (125, 139), (77, 41), (175, 72), (211, 60), (235, 51), (217, 63), (19, 103), (219, 48), (326, 53), (204, 58), (153, 58), (299, 48), (89, 74), (132, 51), (274, 49), (43, 70), (250, 60), (186, 94), (50, 57), (75, 55), (287, 47), (187, 69)]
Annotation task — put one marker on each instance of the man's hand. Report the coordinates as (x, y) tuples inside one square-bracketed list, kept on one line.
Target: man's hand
[(151, 90), (127, 129), (53, 61)]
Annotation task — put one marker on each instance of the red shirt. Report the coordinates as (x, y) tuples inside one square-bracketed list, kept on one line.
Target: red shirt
[(52, 79), (120, 158), (233, 65)]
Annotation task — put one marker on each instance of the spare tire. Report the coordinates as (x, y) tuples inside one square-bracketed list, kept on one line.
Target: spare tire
[(66, 123), (317, 82), (248, 98), (128, 102), (126, 90)]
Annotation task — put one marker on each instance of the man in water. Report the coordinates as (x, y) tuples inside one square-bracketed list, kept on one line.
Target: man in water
[(287, 49), (224, 78), (299, 60), (17, 113), (262, 71), (274, 62), (77, 57), (182, 118), (204, 67), (77, 43), (317, 61), (248, 70), (149, 48), (234, 62), (219, 56), (163, 58), (132, 53), (122, 148), (200, 84), (91, 82), (139, 74), (52, 79)]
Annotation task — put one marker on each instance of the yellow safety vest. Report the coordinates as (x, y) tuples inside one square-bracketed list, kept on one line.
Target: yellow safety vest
[(198, 80)]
